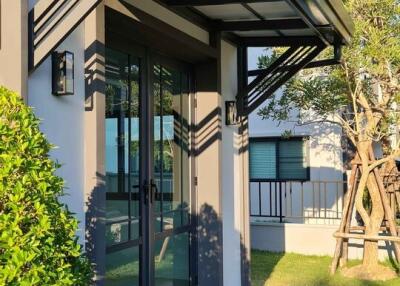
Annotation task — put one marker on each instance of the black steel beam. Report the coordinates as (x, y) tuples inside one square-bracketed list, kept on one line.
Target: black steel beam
[(242, 67), (280, 41), (211, 2), (315, 64), (283, 78), (260, 25), (232, 38)]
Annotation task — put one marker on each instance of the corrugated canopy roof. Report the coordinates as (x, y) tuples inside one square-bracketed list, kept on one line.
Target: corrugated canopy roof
[(275, 19)]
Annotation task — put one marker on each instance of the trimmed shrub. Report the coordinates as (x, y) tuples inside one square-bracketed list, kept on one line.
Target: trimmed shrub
[(38, 242)]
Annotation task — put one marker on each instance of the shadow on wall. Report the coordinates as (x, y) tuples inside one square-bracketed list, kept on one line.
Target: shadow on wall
[(209, 244), (95, 235), (210, 247)]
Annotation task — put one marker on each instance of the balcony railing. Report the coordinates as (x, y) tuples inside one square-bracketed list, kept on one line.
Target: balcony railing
[(296, 201)]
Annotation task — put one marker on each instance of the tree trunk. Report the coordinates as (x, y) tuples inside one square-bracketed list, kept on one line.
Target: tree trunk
[(370, 258), (370, 269), (372, 220)]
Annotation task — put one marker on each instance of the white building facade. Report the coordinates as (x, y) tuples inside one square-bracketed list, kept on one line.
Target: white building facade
[(154, 172)]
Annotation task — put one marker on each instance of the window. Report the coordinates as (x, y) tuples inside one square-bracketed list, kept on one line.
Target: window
[(279, 159)]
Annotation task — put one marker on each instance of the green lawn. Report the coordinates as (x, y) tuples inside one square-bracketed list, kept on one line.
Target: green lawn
[(278, 269)]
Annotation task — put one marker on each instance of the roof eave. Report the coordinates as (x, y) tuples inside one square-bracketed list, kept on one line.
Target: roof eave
[(337, 15)]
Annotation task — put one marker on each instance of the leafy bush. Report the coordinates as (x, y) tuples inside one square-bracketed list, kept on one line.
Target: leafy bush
[(38, 244)]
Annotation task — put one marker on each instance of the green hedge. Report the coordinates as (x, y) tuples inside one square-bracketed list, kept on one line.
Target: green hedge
[(38, 243)]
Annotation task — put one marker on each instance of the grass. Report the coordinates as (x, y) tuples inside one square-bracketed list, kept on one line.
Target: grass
[(289, 269)]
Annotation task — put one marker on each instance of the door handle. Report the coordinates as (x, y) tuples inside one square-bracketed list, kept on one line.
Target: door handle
[(154, 190), (151, 191)]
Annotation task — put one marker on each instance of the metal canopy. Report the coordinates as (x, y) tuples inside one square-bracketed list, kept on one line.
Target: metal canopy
[(306, 27), (252, 19)]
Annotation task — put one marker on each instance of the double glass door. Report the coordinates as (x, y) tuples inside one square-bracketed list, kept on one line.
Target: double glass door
[(148, 201)]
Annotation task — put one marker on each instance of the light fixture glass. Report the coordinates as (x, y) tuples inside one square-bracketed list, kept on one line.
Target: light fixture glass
[(63, 73), (231, 115)]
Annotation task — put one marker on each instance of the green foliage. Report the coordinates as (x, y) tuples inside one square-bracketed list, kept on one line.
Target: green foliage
[(300, 94), (38, 244)]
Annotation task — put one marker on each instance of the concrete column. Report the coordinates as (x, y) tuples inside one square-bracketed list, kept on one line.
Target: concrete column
[(14, 45), (94, 145), (208, 164)]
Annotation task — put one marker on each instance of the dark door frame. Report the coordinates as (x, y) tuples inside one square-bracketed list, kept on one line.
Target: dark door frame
[(147, 235)]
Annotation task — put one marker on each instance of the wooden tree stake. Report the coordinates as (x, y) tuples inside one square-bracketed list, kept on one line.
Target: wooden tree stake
[(346, 210), (343, 234)]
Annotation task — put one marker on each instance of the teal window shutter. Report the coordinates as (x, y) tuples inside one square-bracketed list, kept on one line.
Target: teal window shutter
[(293, 160), (262, 160)]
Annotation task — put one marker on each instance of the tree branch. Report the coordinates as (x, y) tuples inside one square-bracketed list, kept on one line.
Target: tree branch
[(377, 163)]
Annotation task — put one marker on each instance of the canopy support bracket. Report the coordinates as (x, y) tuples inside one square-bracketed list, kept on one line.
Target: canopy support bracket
[(269, 80)]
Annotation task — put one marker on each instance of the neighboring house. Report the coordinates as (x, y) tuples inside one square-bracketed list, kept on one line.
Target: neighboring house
[(305, 161), (297, 183), (133, 93)]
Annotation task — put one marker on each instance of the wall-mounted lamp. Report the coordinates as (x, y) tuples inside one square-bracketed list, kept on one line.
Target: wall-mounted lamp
[(231, 116), (62, 73)]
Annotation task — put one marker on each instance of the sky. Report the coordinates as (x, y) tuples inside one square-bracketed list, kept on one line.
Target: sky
[(253, 54)]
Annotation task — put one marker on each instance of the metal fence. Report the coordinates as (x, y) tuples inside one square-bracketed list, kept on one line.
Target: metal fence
[(296, 200)]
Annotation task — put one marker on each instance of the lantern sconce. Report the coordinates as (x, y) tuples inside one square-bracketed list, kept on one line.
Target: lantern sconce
[(62, 73), (231, 115)]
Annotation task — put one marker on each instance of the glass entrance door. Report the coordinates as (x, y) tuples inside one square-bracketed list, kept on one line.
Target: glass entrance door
[(171, 212), (122, 161), (149, 230)]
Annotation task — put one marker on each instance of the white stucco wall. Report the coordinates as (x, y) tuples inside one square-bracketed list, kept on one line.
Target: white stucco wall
[(62, 122), (231, 173), (306, 239)]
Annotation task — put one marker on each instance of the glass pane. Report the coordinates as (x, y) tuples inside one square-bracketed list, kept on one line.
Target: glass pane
[(172, 132), (171, 146), (117, 89), (122, 166), (158, 160), (172, 261), (69, 75), (122, 268), (117, 222), (262, 160), (133, 136), (292, 160), (172, 174)]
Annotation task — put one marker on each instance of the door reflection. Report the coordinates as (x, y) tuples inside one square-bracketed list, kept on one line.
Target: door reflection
[(171, 172), (122, 169)]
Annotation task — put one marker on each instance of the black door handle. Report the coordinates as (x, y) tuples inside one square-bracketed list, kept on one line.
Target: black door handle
[(154, 190), (151, 191)]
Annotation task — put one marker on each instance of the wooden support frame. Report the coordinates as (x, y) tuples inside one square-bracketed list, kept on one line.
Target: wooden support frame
[(346, 231), (346, 217), (366, 237)]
